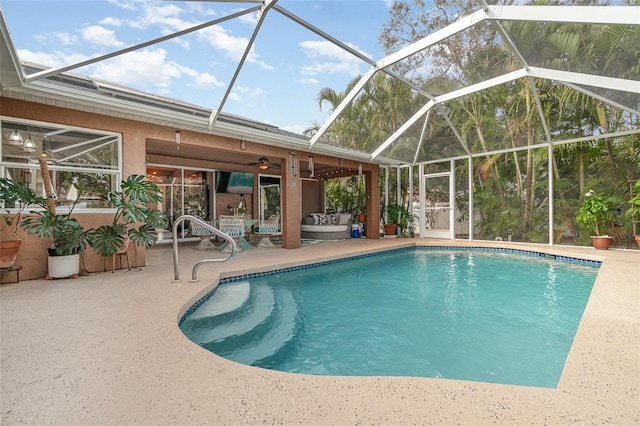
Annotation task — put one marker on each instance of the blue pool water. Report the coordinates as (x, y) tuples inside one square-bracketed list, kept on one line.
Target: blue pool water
[(469, 315)]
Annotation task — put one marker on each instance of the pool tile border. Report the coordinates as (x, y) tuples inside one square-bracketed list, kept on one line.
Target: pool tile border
[(244, 277)]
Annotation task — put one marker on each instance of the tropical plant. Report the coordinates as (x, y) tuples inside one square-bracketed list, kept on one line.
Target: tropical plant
[(16, 197), (134, 218), (595, 214), (69, 237), (398, 214), (346, 195), (634, 202)]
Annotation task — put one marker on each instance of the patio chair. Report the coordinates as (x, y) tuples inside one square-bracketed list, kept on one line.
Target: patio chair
[(205, 236), (122, 251), (266, 228), (232, 226)]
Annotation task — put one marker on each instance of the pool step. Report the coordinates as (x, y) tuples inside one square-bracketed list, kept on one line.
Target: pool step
[(227, 298), (208, 330), (266, 343), (248, 323)]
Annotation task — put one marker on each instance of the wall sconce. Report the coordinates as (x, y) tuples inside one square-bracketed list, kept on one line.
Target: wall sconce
[(29, 145), (243, 145), (359, 169), (293, 160), (177, 140), (311, 167), (16, 138)]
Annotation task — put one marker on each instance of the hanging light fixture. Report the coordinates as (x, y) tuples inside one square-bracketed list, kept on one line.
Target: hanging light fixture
[(293, 161), (29, 145), (26, 177), (311, 167), (16, 138), (264, 163)]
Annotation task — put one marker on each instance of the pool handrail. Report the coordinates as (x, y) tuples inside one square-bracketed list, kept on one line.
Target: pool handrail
[(214, 230)]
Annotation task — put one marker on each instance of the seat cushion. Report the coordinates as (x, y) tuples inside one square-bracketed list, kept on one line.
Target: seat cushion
[(323, 228)]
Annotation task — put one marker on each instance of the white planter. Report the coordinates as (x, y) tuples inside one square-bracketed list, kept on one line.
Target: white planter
[(64, 266)]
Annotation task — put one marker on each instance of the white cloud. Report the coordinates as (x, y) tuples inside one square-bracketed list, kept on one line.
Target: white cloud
[(56, 38), (249, 18), (326, 68), (308, 81), (54, 59), (295, 128), (234, 47), (337, 60), (253, 92), (207, 80), (101, 36), (109, 21), (234, 97), (127, 5), (167, 17), (139, 68), (66, 38)]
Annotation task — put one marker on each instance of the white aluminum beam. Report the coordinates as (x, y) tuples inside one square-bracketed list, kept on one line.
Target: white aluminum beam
[(262, 13), (612, 83), (605, 15)]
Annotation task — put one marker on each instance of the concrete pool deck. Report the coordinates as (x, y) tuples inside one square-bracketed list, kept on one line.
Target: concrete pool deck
[(106, 349)]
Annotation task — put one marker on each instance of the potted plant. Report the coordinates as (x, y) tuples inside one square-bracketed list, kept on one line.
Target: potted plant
[(70, 239), (634, 209), (397, 217), (595, 215), (16, 196), (134, 218)]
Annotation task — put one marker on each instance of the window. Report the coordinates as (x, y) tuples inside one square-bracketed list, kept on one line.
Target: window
[(73, 155)]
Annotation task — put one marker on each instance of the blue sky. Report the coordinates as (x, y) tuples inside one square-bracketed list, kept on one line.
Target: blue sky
[(278, 84)]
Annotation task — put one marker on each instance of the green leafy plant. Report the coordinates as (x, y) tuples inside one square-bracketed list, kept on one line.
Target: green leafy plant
[(594, 213), (16, 197), (399, 215), (634, 209), (346, 195), (69, 237), (134, 218)]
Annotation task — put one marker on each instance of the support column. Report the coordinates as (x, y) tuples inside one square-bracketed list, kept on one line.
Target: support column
[(372, 182), (291, 215)]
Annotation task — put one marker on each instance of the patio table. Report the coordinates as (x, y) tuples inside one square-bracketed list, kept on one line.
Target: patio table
[(242, 241)]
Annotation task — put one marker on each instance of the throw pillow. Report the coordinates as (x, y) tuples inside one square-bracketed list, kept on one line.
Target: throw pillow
[(316, 218), (344, 219)]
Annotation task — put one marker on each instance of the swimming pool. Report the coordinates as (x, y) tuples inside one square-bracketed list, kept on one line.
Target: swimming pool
[(474, 315)]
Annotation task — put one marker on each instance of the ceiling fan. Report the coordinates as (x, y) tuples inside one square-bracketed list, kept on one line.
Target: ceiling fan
[(263, 164)]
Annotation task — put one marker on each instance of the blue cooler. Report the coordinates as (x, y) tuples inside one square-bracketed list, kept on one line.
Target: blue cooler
[(355, 231)]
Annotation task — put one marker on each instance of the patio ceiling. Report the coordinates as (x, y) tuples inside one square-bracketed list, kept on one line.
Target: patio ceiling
[(415, 138)]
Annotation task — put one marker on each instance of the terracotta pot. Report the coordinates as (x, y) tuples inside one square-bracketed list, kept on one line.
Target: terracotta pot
[(638, 240), (390, 228), (9, 252), (601, 242), (361, 218)]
